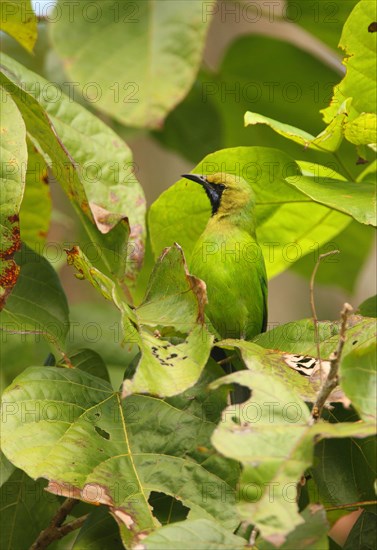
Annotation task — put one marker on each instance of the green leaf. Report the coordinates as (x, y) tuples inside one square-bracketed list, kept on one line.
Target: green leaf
[(369, 307), (152, 86), (199, 533), (355, 199), (358, 379), (90, 362), (282, 242), (344, 471), (343, 269), (128, 448), (99, 531), (19, 20), (37, 303), (35, 212), (360, 46), (272, 436), (26, 509), (309, 535), (362, 130), (105, 168), (12, 177), (363, 533), (6, 469), (328, 140)]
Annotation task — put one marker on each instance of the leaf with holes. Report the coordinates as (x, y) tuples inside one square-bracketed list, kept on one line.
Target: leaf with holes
[(165, 368), (272, 436), (93, 446)]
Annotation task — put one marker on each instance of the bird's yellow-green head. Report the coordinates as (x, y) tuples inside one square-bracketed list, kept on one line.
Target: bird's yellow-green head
[(227, 193)]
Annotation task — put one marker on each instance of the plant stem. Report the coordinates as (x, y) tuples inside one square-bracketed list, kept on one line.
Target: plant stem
[(56, 530), (312, 304), (332, 379), (352, 505)]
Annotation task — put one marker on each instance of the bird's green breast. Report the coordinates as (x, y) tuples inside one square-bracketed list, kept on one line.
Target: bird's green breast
[(230, 261)]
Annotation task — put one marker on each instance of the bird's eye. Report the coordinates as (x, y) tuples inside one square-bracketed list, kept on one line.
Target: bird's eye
[(221, 186)]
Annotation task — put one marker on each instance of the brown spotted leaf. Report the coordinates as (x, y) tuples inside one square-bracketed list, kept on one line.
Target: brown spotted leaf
[(103, 184), (13, 172)]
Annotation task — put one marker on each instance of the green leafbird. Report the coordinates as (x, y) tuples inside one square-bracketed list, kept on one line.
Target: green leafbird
[(229, 259)]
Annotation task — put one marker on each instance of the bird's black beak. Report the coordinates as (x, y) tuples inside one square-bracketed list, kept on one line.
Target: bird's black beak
[(212, 190), (197, 178)]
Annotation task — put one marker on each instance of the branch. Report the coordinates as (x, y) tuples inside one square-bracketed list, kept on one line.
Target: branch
[(56, 530), (312, 304), (332, 379), (352, 505)]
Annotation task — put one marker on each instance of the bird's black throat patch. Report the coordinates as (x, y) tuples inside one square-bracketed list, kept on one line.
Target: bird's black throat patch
[(214, 193)]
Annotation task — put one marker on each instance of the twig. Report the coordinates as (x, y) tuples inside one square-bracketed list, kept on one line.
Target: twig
[(56, 530), (312, 305), (227, 359), (352, 505), (253, 536), (332, 378)]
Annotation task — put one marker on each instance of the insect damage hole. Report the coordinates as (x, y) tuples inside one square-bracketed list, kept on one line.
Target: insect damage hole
[(102, 432), (166, 508)]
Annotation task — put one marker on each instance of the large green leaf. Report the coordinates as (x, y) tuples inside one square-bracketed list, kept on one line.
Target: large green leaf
[(289, 224), (356, 199), (93, 446), (19, 20), (360, 45), (12, 181), (198, 533), (35, 212), (174, 301), (158, 45), (272, 436), (37, 303), (344, 471), (26, 509), (103, 167)]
